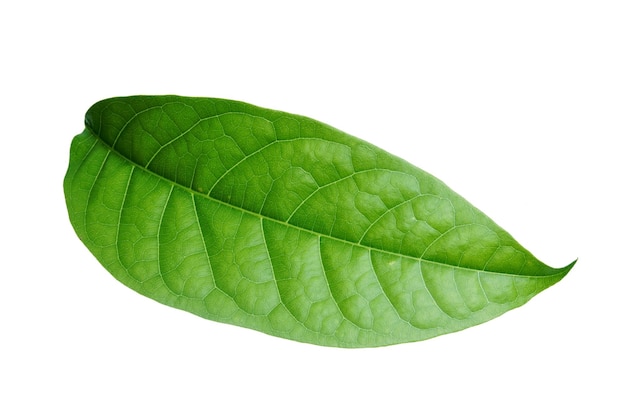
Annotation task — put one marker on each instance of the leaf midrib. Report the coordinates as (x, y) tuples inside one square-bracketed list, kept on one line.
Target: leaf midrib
[(265, 217)]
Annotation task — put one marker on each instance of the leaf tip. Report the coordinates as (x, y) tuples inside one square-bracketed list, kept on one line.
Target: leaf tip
[(567, 268)]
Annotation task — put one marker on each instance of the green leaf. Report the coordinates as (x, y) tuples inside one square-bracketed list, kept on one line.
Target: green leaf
[(283, 224)]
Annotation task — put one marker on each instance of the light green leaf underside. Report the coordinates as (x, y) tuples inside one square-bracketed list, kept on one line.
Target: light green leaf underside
[(282, 224)]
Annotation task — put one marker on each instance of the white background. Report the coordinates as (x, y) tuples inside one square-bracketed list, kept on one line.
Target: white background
[(518, 106)]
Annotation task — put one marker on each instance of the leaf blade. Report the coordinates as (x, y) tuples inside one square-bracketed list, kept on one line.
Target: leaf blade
[(279, 223)]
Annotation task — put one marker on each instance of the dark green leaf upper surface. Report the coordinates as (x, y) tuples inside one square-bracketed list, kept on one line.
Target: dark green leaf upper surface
[(286, 225)]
